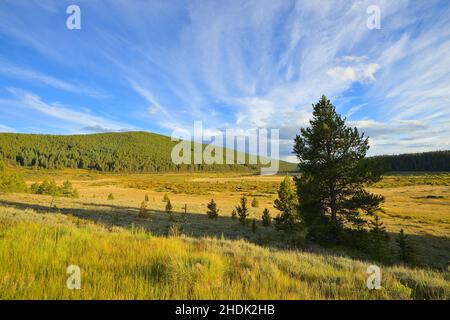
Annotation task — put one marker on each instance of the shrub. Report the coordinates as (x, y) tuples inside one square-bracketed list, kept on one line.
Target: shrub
[(255, 203), (174, 230), (146, 198), (169, 207), (266, 218), (254, 225), (378, 239), (242, 210), (47, 188), (67, 190), (110, 196), (75, 194), (287, 203), (233, 214), (143, 210), (212, 211), (12, 183), (406, 251)]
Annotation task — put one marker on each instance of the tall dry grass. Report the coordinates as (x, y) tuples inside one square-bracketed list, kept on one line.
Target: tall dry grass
[(36, 249)]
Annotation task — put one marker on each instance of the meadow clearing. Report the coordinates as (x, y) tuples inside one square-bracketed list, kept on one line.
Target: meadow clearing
[(125, 256)]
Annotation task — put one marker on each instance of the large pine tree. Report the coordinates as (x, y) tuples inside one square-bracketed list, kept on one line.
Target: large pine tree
[(334, 173)]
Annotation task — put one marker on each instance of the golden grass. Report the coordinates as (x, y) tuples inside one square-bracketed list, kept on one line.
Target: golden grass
[(118, 263), (417, 203)]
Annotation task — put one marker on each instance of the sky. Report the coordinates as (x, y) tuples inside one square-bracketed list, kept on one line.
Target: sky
[(160, 65)]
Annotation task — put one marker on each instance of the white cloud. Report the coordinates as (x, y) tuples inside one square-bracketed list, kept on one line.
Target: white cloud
[(66, 114), (29, 74), (4, 128), (263, 62), (155, 106), (362, 73)]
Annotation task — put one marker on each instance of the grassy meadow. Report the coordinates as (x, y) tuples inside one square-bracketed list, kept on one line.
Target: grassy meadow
[(126, 256)]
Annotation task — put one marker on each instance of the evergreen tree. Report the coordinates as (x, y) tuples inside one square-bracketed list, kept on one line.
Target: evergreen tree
[(233, 214), (255, 203), (169, 207), (143, 210), (254, 225), (212, 211), (242, 210), (331, 190), (378, 239), (406, 252), (146, 198), (266, 218), (287, 203)]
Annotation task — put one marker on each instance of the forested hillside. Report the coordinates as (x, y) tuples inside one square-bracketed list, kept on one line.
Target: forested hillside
[(427, 161), (110, 152)]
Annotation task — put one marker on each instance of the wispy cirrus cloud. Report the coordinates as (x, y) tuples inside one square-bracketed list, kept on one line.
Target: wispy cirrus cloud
[(41, 78), (81, 120), (4, 128), (245, 64)]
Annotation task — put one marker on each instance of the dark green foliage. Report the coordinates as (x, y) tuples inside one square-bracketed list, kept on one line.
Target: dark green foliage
[(378, 239), (110, 152), (334, 173), (242, 210), (185, 213), (427, 161), (255, 203), (110, 196), (266, 218), (406, 251), (233, 214), (287, 203), (212, 211), (169, 207), (2, 166), (254, 227), (52, 189)]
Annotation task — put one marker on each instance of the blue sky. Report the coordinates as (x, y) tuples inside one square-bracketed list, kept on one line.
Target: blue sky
[(160, 65)]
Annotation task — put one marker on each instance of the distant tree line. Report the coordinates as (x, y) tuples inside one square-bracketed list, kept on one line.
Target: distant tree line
[(108, 152), (426, 161)]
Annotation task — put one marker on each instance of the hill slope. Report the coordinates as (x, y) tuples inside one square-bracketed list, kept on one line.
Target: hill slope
[(111, 152)]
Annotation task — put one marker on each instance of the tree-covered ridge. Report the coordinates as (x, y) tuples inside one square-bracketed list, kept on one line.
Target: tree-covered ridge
[(110, 152), (426, 161)]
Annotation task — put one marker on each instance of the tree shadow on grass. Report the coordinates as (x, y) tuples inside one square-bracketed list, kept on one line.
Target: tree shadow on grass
[(158, 222), (432, 251)]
